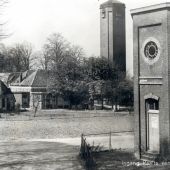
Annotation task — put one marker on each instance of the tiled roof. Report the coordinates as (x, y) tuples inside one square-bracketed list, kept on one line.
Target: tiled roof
[(27, 73), (30, 78), (14, 78), (40, 79), (36, 79)]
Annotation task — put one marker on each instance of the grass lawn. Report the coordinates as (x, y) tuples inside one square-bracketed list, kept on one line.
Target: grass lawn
[(52, 124)]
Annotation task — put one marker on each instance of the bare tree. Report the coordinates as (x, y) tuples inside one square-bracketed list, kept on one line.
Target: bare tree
[(6, 62), (55, 50), (75, 53), (44, 60), (66, 75), (58, 50), (39, 61), (21, 55), (3, 33)]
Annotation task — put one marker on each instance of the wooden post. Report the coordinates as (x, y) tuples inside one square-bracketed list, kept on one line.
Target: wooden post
[(110, 141), (82, 146)]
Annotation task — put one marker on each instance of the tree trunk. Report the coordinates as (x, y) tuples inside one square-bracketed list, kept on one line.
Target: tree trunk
[(112, 104), (116, 109), (102, 104)]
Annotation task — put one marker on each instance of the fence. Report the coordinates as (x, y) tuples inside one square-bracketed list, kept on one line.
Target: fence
[(104, 141)]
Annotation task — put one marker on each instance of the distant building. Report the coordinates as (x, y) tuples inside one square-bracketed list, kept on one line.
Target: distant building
[(7, 99), (112, 33), (30, 89)]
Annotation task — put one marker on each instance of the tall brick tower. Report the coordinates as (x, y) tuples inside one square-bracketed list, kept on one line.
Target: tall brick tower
[(151, 43), (112, 33)]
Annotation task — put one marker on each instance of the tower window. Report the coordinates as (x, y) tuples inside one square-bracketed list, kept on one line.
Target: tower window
[(103, 13), (152, 104)]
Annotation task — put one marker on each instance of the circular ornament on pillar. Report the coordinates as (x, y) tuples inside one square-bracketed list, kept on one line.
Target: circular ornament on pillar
[(151, 50)]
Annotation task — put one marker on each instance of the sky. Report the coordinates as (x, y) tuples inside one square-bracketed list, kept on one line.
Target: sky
[(77, 20)]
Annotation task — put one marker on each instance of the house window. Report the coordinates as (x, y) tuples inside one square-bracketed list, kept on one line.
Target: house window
[(103, 13), (3, 102), (26, 100)]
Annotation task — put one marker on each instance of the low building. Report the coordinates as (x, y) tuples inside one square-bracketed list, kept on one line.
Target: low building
[(30, 89)]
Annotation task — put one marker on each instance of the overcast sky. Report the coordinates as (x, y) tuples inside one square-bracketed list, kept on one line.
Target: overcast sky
[(77, 20)]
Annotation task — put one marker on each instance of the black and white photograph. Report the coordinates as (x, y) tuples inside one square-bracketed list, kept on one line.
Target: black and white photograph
[(84, 85)]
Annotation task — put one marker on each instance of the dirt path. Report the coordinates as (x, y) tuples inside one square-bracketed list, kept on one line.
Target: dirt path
[(50, 154), (120, 140), (28, 155)]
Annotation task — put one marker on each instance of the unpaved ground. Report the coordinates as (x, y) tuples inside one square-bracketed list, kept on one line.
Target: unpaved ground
[(122, 160), (53, 124), (24, 155), (51, 140), (124, 141)]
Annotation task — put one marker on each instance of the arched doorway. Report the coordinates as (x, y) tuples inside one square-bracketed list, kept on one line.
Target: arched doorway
[(50, 101), (152, 122)]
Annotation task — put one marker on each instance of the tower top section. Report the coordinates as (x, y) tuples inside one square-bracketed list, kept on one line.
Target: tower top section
[(150, 8), (110, 3)]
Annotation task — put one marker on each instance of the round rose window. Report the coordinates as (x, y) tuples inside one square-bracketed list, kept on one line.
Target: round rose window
[(151, 50)]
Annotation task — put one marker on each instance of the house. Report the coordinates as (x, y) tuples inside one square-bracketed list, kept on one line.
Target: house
[(7, 99), (30, 89)]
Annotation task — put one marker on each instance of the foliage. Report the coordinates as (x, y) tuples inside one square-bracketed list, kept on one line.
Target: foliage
[(67, 78), (79, 79), (126, 92), (108, 83)]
